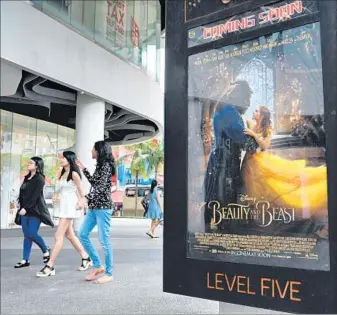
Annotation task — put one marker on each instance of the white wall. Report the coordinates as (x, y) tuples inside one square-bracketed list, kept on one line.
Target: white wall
[(10, 79), (36, 42)]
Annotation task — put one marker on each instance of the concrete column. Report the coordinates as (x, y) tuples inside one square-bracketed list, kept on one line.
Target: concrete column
[(89, 129)]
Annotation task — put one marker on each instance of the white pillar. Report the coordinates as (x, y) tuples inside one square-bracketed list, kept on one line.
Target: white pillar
[(89, 129)]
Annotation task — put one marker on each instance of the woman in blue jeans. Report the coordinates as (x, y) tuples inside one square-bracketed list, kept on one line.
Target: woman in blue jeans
[(99, 211), (33, 211)]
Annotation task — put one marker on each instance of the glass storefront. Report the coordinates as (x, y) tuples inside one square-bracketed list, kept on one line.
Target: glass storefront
[(128, 28), (21, 138)]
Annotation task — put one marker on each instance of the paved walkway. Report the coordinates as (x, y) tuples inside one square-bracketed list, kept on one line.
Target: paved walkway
[(137, 288)]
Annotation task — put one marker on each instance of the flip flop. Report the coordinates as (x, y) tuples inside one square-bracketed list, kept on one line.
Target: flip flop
[(93, 275), (106, 280), (148, 234)]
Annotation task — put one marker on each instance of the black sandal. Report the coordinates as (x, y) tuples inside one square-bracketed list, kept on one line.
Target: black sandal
[(86, 264), (22, 265), (46, 271), (46, 258)]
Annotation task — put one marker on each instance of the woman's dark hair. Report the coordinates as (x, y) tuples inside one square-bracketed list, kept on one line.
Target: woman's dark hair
[(266, 120), (104, 155), (39, 166), (154, 184), (71, 158)]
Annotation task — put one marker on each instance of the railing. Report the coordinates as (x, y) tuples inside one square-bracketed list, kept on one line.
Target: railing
[(129, 29)]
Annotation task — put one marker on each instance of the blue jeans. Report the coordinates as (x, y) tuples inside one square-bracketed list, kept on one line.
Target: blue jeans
[(30, 229), (101, 218)]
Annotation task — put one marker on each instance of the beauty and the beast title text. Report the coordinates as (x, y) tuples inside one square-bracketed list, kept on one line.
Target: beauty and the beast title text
[(261, 211)]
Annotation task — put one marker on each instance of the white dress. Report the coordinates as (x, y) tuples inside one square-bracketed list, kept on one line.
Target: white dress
[(66, 206)]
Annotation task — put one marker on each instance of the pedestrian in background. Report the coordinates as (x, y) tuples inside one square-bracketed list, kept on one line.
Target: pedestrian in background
[(155, 211)]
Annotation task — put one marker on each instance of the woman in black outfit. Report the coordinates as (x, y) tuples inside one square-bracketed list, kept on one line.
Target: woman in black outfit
[(33, 211)]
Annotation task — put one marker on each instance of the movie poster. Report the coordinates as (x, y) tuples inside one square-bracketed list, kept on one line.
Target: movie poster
[(257, 170)]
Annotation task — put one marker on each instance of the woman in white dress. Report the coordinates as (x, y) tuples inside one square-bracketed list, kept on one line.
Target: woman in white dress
[(71, 204)]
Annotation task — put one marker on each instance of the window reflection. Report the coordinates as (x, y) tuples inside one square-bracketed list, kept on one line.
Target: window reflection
[(82, 15), (5, 144), (21, 138), (57, 8), (128, 28)]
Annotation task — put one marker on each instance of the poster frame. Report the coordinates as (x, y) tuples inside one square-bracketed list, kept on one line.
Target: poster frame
[(189, 276)]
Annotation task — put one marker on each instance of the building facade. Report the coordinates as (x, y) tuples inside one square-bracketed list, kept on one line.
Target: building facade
[(72, 73), (22, 138)]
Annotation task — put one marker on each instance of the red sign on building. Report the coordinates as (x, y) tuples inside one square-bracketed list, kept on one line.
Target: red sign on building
[(115, 22), (135, 33)]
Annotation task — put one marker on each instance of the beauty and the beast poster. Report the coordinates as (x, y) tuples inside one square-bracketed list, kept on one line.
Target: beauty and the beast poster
[(256, 153)]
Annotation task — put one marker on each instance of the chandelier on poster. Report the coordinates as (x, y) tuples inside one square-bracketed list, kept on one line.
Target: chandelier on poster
[(266, 15)]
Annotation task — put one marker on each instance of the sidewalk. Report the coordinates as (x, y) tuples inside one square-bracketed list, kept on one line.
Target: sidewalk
[(137, 288)]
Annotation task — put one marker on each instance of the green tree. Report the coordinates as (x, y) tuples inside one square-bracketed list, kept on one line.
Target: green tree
[(146, 158), (138, 165), (155, 157)]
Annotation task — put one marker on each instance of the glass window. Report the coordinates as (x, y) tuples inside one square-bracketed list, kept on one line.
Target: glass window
[(105, 24), (46, 147), (65, 139), (140, 19), (128, 28), (130, 192), (5, 160), (130, 33), (37, 4), (151, 39), (58, 8), (22, 149), (22, 138), (82, 16)]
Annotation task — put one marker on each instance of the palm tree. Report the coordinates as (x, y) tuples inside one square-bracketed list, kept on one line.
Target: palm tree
[(155, 157), (138, 165), (146, 158)]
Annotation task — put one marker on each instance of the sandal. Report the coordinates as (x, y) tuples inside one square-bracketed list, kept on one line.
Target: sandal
[(86, 264), (46, 271), (94, 274), (104, 279), (22, 264), (149, 234), (46, 256)]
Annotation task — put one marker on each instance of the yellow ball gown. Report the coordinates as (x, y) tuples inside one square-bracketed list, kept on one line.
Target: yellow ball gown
[(286, 183)]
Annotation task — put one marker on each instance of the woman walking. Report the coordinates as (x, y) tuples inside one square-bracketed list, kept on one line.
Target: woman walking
[(99, 211), (71, 204), (155, 211), (33, 211)]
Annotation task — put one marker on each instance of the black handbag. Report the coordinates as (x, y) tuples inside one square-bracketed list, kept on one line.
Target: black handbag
[(17, 219), (145, 204)]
